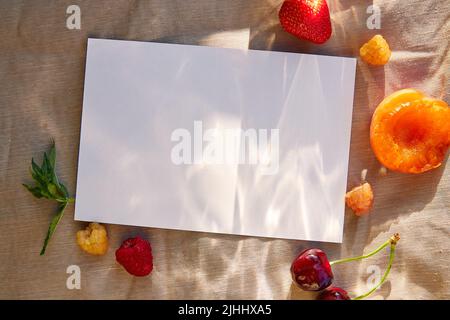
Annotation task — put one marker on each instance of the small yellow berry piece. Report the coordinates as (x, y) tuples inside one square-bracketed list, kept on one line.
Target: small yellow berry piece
[(383, 171), (376, 51), (360, 199), (94, 239)]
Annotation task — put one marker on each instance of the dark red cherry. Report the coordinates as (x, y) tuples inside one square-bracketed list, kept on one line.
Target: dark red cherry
[(311, 270), (333, 293)]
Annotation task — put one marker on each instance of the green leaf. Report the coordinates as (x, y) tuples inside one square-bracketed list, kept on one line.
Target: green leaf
[(53, 225), (55, 180), (40, 180), (36, 169), (52, 190), (34, 190), (48, 170), (60, 190), (64, 190)]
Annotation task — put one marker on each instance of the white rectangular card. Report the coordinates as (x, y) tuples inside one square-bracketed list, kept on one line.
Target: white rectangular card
[(217, 140)]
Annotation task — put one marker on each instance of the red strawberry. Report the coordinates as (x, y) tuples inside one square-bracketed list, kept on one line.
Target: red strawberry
[(306, 19), (135, 255)]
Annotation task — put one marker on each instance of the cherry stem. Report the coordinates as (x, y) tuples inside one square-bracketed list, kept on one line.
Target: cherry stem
[(385, 275), (392, 241)]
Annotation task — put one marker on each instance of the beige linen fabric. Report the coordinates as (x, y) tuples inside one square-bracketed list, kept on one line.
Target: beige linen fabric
[(41, 87)]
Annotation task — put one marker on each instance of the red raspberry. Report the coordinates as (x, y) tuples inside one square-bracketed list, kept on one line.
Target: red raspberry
[(135, 255)]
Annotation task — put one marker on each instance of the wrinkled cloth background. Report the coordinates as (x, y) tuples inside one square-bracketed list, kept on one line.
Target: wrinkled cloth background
[(41, 86)]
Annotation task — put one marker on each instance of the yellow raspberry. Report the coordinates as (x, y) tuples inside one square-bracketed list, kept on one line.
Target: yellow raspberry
[(94, 239), (360, 199), (376, 51)]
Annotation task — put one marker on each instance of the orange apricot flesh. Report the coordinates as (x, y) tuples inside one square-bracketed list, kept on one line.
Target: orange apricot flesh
[(410, 132), (360, 199)]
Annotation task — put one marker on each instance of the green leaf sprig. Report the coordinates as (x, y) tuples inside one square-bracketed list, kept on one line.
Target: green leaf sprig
[(48, 186)]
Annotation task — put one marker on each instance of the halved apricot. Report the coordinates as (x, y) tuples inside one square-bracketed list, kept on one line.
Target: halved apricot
[(410, 132)]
